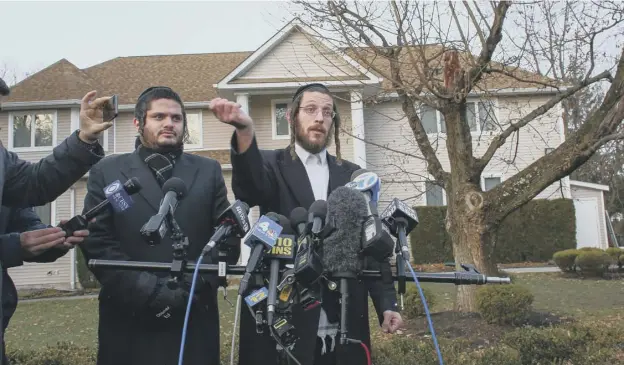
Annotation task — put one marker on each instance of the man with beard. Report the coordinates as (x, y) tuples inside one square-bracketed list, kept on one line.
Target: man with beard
[(281, 180), (141, 314)]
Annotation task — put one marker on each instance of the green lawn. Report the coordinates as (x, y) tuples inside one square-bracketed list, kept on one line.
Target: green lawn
[(48, 322)]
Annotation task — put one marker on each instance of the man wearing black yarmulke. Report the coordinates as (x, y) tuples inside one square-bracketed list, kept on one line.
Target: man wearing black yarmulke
[(280, 181)]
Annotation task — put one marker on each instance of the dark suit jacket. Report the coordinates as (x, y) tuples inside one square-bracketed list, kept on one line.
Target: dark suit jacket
[(14, 221), (277, 183), (125, 337)]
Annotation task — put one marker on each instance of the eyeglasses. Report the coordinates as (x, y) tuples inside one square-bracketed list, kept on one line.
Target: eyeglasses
[(312, 110)]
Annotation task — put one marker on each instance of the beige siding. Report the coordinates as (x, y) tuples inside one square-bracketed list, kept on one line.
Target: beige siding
[(299, 56), (403, 176), (580, 192)]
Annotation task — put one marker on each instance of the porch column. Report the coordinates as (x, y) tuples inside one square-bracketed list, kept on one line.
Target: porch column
[(243, 100), (357, 126)]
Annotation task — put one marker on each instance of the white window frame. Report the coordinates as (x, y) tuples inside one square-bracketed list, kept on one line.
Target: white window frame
[(476, 101), (31, 148), (501, 176), (201, 130), (75, 124), (274, 102), (430, 179)]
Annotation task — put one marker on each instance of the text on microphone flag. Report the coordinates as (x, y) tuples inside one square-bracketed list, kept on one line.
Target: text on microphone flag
[(117, 196), (257, 296), (268, 231)]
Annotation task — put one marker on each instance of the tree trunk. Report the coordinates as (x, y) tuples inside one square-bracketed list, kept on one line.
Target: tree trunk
[(472, 236)]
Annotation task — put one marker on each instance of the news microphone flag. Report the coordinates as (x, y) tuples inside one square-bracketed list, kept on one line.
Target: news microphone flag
[(117, 196)]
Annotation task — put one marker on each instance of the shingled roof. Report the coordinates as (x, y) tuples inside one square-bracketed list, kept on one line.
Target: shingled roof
[(191, 75)]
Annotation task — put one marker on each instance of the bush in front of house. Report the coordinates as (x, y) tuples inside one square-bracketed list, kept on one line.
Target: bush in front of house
[(414, 307), (617, 254), (593, 262), (565, 260), (504, 304), (64, 353), (533, 233)]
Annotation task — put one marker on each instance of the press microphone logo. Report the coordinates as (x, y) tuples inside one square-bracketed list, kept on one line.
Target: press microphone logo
[(117, 196), (242, 217)]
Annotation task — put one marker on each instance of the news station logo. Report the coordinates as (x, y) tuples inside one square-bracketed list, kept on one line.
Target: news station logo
[(283, 249), (257, 296)]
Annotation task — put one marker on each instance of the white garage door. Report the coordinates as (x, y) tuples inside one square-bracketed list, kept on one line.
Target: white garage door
[(587, 223)]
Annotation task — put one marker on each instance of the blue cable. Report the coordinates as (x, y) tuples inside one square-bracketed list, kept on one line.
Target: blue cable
[(422, 298), (188, 309)]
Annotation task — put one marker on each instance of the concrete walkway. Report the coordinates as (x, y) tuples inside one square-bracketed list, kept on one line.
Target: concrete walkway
[(520, 270)]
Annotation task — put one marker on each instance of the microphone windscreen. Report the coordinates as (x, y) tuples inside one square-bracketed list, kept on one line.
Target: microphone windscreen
[(282, 221), (297, 216), (346, 211), (318, 209), (175, 184), (132, 186)]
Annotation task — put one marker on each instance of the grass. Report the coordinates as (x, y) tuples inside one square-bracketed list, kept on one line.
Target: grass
[(36, 324)]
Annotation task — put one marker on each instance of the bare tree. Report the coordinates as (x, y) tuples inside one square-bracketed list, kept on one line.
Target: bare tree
[(436, 55)]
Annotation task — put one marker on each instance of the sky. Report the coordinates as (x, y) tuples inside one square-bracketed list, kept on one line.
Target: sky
[(90, 32)]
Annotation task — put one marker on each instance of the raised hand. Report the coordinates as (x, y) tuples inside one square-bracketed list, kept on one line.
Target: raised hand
[(91, 117), (230, 113)]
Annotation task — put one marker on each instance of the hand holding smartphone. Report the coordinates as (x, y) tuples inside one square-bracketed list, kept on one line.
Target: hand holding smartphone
[(110, 110)]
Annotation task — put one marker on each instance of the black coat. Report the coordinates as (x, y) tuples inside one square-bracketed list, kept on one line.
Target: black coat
[(125, 336), (276, 183)]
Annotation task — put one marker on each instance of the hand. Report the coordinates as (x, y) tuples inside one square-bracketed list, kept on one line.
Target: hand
[(91, 117), (392, 322), (230, 113), (38, 241), (76, 238)]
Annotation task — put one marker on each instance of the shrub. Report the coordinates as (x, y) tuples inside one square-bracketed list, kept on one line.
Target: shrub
[(592, 262), (505, 304), (533, 233), (616, 254), (85, 276), (565, 260), (413, 304)]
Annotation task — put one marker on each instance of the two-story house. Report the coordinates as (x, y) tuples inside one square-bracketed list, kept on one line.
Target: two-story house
[(43, 109)]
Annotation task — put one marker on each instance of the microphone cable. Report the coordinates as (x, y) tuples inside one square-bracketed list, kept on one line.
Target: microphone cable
[(188, 306), (428, 315), (238, 304)]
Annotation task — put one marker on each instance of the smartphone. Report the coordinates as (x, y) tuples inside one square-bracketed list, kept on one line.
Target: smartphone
[(110, 109)]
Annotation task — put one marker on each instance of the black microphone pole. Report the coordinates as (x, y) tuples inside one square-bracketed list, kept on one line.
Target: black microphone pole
[(402, 256)]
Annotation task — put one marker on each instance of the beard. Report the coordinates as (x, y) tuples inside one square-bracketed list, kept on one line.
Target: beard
[(152, 142), (313, 147)]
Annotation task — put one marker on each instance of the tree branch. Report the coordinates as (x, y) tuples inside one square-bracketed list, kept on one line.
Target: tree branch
[(499, 140)]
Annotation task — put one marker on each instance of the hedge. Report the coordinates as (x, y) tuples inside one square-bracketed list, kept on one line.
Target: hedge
[(533, 233)]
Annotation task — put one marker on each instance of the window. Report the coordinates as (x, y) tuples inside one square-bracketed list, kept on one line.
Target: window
[(434, 194), (281, 129), (548, 150), (45, 213), (32, 130), (490, 182), (433, 120), (194, 123)]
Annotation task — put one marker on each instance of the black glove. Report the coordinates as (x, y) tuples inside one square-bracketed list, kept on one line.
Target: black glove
[(169, 300)]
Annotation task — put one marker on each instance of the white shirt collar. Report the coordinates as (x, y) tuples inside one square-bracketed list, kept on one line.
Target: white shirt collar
[(304, 156)]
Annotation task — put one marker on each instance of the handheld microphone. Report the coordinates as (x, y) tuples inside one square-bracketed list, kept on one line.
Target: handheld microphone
[(298, 219), (154, 230), (375, 244), (346, 211), (275, 265), (261, 236), (117, 196), (316, 216), (233, 221)]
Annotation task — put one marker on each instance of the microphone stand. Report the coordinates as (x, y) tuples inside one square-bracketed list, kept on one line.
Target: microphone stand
[(401, 256), (180, 250)]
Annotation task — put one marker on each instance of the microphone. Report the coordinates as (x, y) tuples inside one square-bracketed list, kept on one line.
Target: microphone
[(154, 230), (375, 244), (261, 237), (298, 219), (400, 219), (117, 196), (346, 211), (233, 221), (275, 263), (316, 216)]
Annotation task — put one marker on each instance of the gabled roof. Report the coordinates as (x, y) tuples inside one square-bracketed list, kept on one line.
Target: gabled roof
[(364, 74)]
